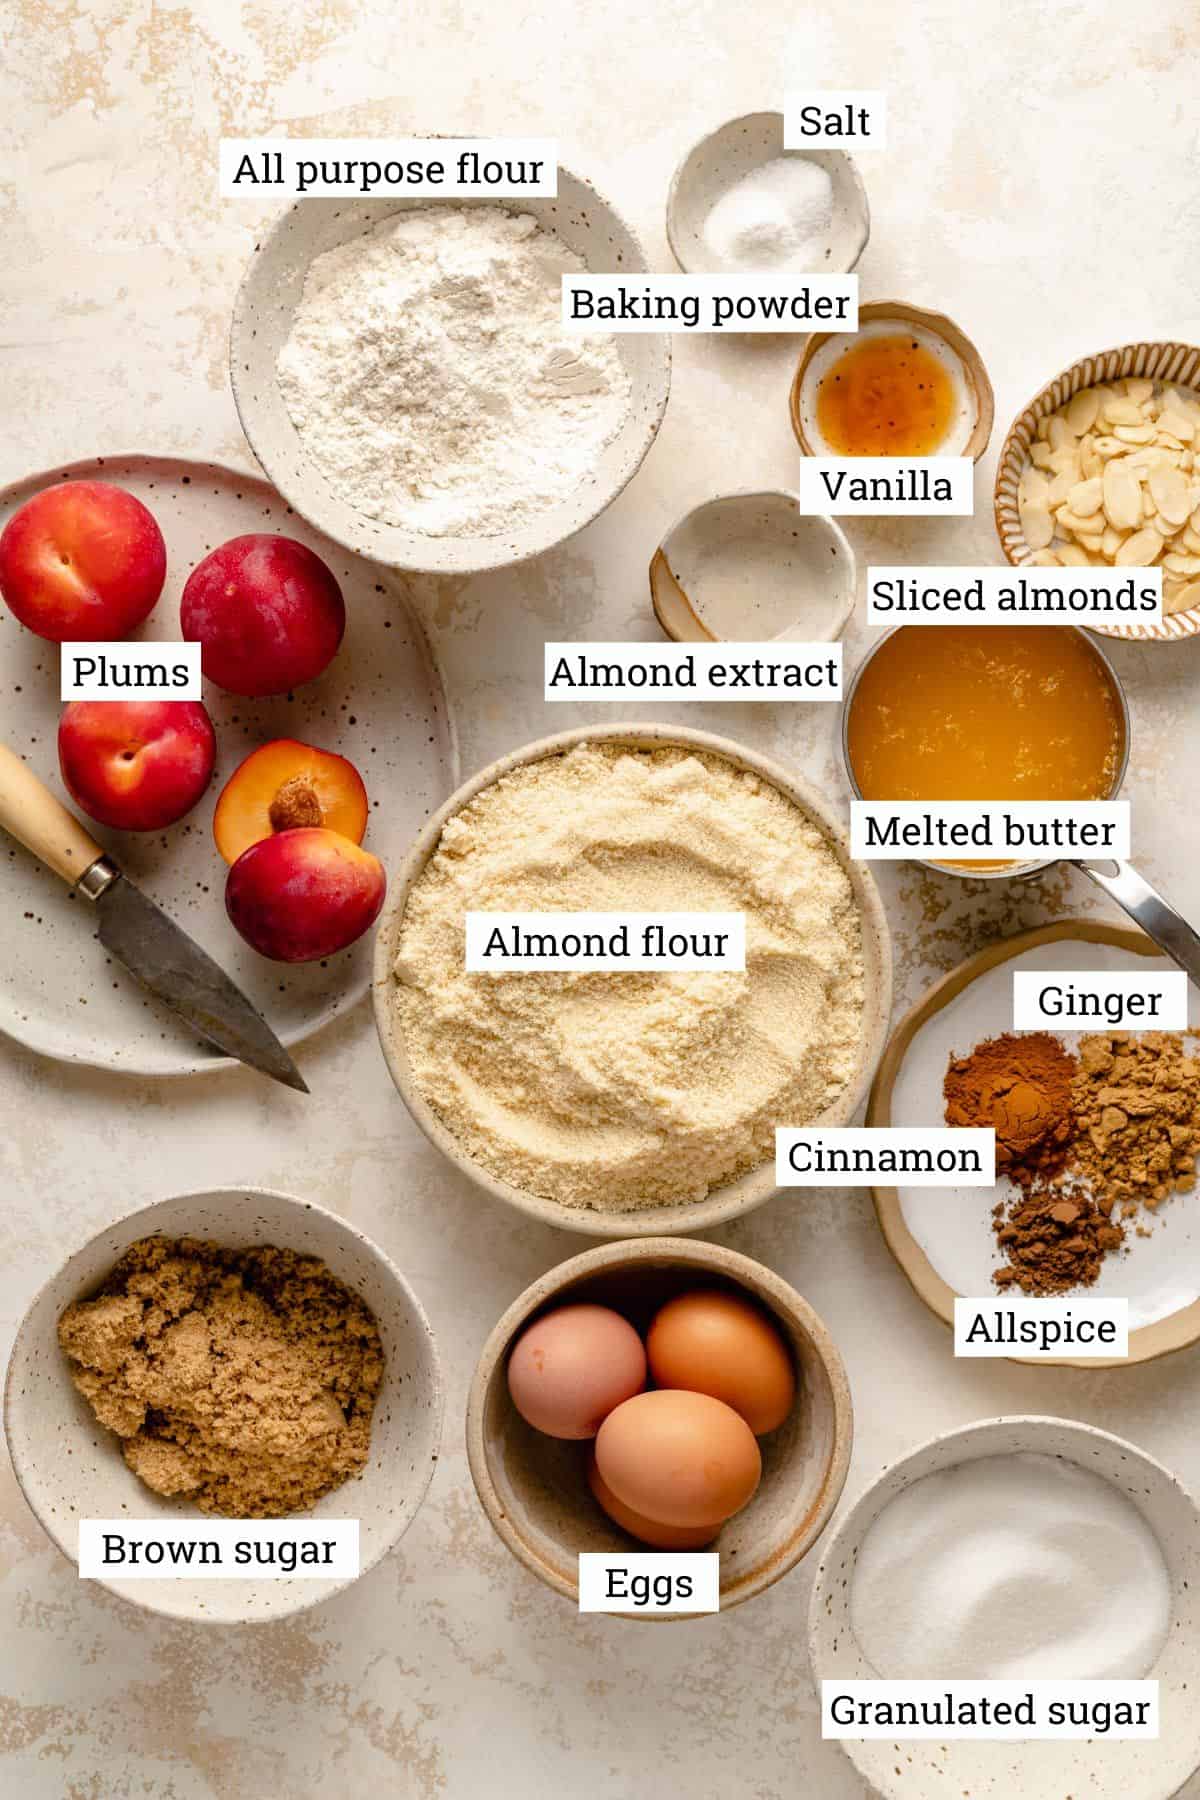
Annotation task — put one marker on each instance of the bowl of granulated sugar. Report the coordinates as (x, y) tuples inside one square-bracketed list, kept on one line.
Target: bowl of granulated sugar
[(404, 377), (1021, 1562), (628, 1096)]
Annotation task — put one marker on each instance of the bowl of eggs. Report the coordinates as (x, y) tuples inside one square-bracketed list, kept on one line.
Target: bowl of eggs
[(663, 1394)]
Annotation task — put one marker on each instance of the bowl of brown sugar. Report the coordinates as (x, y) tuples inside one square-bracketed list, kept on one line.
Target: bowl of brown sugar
[(236, 1354)]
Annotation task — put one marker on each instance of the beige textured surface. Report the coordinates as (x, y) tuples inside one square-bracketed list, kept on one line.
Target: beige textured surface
[(1008, 195)]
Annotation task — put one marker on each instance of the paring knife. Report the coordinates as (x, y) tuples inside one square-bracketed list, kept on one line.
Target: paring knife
[(149, 944)]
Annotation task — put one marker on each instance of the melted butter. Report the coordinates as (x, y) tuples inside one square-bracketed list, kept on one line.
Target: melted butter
[(1003, 712)]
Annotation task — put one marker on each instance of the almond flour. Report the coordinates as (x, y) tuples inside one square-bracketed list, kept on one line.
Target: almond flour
[(621, 1090)]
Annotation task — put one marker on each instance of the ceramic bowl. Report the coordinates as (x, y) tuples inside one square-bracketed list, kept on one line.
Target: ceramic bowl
[(971, 430), (708, 574), (534, 1488), (942, 1238), (736, 149), (1104, 1769), (70, 1468), (262, 320), (757, 1185), (1178, 363)]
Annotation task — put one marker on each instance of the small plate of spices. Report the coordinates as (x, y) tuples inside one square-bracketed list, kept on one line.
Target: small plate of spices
[(1097, 1139)]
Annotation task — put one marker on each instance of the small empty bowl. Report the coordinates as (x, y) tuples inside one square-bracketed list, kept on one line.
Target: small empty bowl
[(724, 157), (534, 1488), (70, 1468), (1103, 1768), (971, 427), (750, 567)]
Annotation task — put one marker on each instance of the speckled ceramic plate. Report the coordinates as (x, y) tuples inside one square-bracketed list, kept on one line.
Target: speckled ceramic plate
[(942, 1237), (1176, 363), (1101, 1769), (380, 703), (262, 319), (70, 1468)]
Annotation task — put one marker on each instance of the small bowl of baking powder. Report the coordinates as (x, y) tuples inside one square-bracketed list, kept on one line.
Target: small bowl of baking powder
[(404, 377), (623, 1102)]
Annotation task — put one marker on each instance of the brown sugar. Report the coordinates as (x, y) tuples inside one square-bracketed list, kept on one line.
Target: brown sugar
[(243, 1380)]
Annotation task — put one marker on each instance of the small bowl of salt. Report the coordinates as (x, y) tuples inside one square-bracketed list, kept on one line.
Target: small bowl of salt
[(739, 201)]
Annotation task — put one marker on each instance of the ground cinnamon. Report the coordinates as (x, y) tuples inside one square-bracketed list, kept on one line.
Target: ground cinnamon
[(1021, 1085)]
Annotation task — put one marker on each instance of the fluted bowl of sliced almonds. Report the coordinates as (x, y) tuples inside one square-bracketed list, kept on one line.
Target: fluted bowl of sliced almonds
[(1102, 470)]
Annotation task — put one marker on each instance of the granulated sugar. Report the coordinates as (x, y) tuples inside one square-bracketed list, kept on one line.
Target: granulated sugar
[(622, 1090), (1011, 1568), (429, 375)]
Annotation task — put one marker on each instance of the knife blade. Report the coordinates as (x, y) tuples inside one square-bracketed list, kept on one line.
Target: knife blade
[(166, 961), (156, 952)]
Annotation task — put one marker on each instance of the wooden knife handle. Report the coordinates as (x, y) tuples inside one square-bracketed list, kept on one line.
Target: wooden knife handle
[(36, 819)]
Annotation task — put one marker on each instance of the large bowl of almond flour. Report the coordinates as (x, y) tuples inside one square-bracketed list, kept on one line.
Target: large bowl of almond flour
[(403, 376), (623, 1103)]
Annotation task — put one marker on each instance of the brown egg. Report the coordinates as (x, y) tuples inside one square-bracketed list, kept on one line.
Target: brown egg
[(683, 1459), (647, 1531), (572, 1366), (716, 1343)]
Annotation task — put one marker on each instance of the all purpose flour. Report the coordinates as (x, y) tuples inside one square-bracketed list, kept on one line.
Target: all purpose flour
[(430, 378)]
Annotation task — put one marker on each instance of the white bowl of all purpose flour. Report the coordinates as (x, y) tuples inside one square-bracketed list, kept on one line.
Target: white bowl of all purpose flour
[(612, 401), (1165, 1518)]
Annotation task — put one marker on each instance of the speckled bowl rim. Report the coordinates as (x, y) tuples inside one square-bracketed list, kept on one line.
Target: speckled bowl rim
[(488, 553), (1159, 359), (1166, 1336), (301, 1601), (757, 1185), (833, 533), (683, 166), (764, 1285), (1046, 1433), (939, 325)]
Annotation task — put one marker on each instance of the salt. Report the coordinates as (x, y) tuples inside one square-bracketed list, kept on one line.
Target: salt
[(778, 216), (1022, 1567)]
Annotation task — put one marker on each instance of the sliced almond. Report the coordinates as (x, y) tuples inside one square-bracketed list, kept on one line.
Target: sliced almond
[(1122, 496), (1064, 460), (1090, 461), (1189, 540), (1059, 434), (1139, 388), (1045, 559), (1134, 434), (1032, 487), (1037, 526), (1063, 486), (1172, 419), (1121, 411), (1140, 549), (1180, 563), (1111, 542), (1172, 493), (1163, 526), (1106, 446), (1082, 410), (1071, 556), (1083, 526), (1182, 598), (1091, 541), (1086, 497)]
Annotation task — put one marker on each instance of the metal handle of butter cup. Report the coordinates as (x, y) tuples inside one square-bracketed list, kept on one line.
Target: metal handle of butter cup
[(1156, 916)]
